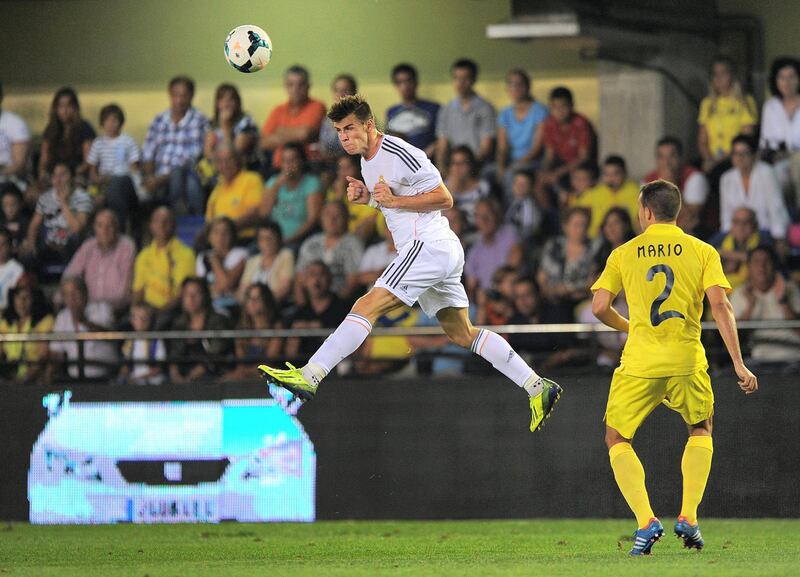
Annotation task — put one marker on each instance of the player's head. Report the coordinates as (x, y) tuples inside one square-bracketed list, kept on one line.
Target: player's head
[(404, 77), (465, 73), (659, 202), (354, 122)]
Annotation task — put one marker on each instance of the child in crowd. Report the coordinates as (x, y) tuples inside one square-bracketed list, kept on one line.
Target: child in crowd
[(141, 354), (13, 216), (523, 213), (581, 178)]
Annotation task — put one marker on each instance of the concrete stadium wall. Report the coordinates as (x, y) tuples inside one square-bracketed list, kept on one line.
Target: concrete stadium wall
[(459, 448)]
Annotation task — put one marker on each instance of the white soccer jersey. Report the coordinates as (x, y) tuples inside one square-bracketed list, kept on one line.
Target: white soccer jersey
[(408, 172)]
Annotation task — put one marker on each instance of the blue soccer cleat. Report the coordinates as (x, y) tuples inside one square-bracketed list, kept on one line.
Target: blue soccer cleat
[(644, 539), (692, 539)]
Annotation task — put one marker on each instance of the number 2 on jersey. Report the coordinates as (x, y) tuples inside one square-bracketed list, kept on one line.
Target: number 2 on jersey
[(656, 318)]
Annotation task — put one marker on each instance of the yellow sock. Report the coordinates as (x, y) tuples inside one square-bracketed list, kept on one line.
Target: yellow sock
[(695, 466), (629, 473)]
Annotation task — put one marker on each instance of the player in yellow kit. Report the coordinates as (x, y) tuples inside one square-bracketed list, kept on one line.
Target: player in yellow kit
[(665, 273)]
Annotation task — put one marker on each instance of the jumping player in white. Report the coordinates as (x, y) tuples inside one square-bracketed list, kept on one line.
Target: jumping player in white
[(401, 181)]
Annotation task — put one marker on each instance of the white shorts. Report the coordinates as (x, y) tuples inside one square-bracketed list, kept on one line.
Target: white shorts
[(428, 272)]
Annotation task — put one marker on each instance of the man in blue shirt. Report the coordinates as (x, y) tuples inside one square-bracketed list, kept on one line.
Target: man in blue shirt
[(413, 120)]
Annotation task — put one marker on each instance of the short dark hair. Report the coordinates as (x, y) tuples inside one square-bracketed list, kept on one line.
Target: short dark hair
[(350, 105), (182, 79), (616, 160), (299, 149), (467, 64), (582, 210), (663, 198), (404, 67), (300, 71), (589, 166), (768, 250), (112, 109), (272, 226), (671, 141), (749, 141), (202, 284), (347, 78), (562, 93), (466, 151), (777, 65)]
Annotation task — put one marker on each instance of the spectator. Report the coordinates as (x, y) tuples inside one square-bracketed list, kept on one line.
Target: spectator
[(616, 189), (297, 121), (222, 265), (768, 296), (10, 269), (334, 246), (60, 220), (582, 178), (272, 266), (519, 133), (14, 216), (163, 265), (468, 119), (528, 310), (523, 213), (98, 358), (568, 139), (232, 128), (15, 140), (458, 224), (567, 263), (726, 112), (363, 220), (259, 312), (414, 119), (464, 183), (67, 137), (780, 123), (27, 313), (495, 247), (113, 163), (197, 358), (375, 260), (173, 145), (237, 194), (293, 197), (735, 246), (670, 166), (322, 309), (753, 184), (615, 230), (496, 306), (143, 358), (329, 146), (105, 263)]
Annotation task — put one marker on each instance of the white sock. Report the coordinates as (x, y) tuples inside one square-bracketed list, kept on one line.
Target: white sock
[(497, 351), (342, 343)]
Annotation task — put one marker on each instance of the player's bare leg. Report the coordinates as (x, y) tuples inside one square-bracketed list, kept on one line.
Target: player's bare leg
[(629, 474), (543, 393), (695, 466), (343, 342)]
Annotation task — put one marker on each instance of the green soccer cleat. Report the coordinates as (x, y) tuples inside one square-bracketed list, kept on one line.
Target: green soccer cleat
[(543, 403), (290, 379)]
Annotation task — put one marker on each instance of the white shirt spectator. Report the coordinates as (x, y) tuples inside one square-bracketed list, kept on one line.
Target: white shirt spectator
[(695, 189), (13, 130), (764, 197), (9, 275), (100, 314), (777, 127), (236, 255), (770, 345), (143, 351), (113, 156), (377, 257)]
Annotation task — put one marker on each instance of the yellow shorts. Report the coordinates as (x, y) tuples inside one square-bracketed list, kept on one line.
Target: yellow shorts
[(632, 399)]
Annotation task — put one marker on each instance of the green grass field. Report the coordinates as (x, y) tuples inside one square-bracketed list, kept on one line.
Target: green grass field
[(417, 548)]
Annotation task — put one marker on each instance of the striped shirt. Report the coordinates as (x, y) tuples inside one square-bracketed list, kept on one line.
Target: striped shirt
[(175, 145), (113, 156)]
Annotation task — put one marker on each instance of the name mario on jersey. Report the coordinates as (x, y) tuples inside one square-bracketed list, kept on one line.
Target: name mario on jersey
[(660, 249)]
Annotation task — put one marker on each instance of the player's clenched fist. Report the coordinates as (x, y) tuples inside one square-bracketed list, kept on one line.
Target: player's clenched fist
[(357, 192), (383, 194)]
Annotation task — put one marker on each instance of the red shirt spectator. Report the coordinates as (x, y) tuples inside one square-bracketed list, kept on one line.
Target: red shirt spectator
[(568, 139)]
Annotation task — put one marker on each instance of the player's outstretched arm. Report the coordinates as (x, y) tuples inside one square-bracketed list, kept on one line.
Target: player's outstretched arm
[(722, 311), (606, 313)]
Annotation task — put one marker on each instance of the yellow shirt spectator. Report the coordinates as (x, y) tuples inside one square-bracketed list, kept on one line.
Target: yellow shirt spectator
[(159, 271), (237, 199), (599, 199), (25, 353), (664, 273), (358, 215), (723, 118)]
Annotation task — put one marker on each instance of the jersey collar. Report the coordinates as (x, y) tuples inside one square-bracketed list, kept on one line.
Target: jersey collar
[(663, 227)]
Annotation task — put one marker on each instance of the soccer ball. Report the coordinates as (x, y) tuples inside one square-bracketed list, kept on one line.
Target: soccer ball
[(248, 48)]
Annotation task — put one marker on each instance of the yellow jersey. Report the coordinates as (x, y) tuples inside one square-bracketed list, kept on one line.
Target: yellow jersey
[(664, 273), (724, 120), (161, 271), (236, 199), (599, 199)]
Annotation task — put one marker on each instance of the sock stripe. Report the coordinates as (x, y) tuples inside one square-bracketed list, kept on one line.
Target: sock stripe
[(402, 272), (402, 263), (354, 315), (360, 321), (474, 347)]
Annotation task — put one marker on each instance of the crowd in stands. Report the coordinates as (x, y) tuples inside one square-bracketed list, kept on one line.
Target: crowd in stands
[(213, 223)]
